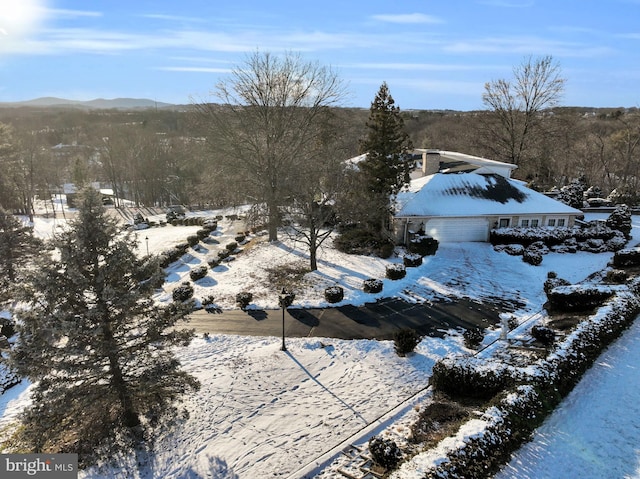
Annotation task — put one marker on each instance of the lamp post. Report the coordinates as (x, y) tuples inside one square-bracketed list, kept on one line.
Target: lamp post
[(146, 238), (286, 299)]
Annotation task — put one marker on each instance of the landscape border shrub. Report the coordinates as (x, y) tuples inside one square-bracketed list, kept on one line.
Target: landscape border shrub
[(384, 452), (511, 420), (395, 271), (334, 294), (243, 299), (198, 272), (423, 245), (372, 285), (626, 257), (183, 293), (405, 341), (412, 260), (579, 297)]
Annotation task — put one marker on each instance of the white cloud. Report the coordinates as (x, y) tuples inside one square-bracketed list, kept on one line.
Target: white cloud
[(19, 21), (407, 18)]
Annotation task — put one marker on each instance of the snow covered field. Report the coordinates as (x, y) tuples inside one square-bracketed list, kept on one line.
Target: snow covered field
[(262, 412)]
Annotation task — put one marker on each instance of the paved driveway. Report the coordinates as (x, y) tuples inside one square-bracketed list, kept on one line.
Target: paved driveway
[(378, 320)]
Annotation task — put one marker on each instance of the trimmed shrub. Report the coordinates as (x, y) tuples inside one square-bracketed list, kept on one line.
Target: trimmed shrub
[(423, 245), (231, 247), (617, 276), (183, 292), (405, 341), (578, 297), (471, 377), (223, 254), (372, 285), (213, 262), (473, 337), (412, 260), (334, 294), (620, 220), (243, 299), (198, 273), (396, 271), (239, 238), (532, 256), (627, 257), (384, 452), (553, 282), (544, 335), (203, 233), (193, 240)]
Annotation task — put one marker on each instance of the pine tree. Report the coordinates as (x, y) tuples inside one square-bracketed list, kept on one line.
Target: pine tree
[(17, 246), (95, 345), (386, 167)]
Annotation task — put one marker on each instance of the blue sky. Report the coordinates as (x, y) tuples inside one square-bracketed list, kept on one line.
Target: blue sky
[(432, 54)]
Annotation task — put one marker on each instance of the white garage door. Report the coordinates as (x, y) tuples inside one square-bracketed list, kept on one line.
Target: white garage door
[(452, 230)]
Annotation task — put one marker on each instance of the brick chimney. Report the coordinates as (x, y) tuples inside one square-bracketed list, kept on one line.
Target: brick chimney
[(430, 162)]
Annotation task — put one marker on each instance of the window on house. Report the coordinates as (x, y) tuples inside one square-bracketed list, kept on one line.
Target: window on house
[(504, 223), (551, 222), (534, 222), (524, 223), (561, 222)]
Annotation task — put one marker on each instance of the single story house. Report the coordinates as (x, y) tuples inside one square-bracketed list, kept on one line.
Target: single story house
[(462, 198)]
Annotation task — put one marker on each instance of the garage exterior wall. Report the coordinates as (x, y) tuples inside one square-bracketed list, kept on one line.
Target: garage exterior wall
[(462, 229)]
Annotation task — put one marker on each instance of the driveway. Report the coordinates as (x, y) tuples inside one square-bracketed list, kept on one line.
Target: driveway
[(378, 320)]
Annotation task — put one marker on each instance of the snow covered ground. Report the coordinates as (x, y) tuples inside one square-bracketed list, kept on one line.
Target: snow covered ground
[(262, 412)]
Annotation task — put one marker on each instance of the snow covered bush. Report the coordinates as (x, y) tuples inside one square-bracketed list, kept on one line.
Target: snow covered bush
[(213, 262), (334, 294), (553, 281), (384, 452), (203, 233), (239, 238), (620, 220), (532, 256), (193, 240), (473, 337), (372, 285), (396, 271), (471, 377), (198, 272), (423, 245), (627, 257), (544, 335), (578, 297), (616, 276), (412, 260), (231, 247), (243, 299), (183, 292), (405, 341), (434, 417), (510, 249)]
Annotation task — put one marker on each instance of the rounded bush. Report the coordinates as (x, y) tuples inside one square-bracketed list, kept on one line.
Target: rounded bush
[(239, 238), (372, 285), (193, 240), (183, 292), (334, 294), (543, 334), (384, 452), (423, 245), (533, 257), (405, 341), (198, 273), (412, 260), (231, 247), (243, 299), (213, 262), (396, 271), (202, 233), (473, 337)]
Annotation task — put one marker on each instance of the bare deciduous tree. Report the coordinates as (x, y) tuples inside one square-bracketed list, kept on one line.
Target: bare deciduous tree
[(267, 117), (517, 108)]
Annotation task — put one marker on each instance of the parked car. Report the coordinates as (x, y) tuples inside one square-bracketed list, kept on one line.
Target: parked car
[(175, 212)]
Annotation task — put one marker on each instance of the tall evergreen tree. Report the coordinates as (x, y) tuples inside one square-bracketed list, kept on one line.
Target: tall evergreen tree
[(17, 246), (386, 167), (95, 345)]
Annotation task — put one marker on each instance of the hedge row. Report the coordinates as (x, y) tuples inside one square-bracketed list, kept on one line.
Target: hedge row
[(516, 413)]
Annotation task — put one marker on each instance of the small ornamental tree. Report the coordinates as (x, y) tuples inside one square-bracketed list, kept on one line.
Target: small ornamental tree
[(96, 347)]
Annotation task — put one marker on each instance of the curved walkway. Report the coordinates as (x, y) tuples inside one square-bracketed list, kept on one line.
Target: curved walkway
[(380, 320)]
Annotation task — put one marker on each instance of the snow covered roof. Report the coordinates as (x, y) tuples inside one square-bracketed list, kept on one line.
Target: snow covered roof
[(472, 194)]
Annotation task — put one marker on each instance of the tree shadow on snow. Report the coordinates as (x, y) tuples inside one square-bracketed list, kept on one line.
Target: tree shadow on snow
[(257, 314)]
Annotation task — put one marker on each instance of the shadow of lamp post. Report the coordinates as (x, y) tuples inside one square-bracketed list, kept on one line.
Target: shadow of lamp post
[(285, 299)]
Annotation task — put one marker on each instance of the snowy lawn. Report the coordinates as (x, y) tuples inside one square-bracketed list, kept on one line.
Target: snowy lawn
[(262, 412)]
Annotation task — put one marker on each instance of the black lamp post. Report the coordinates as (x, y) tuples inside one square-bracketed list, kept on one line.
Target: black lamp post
[(146, 238), (286, 299)]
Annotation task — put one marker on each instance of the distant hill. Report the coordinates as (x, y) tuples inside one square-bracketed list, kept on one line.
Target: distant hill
[(98, 103)]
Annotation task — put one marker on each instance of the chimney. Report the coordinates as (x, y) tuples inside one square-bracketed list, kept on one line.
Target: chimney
[(430, 162)]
